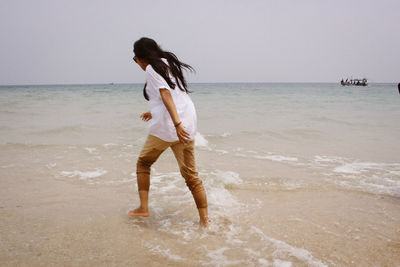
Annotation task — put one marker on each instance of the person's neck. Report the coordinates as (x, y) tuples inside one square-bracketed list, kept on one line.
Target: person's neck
[(144, 65)]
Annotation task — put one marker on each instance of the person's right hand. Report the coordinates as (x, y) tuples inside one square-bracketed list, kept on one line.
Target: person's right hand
[(146, 116), (183, 136)]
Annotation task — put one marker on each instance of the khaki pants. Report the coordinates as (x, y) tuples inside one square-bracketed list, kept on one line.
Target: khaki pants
[(184, 154)]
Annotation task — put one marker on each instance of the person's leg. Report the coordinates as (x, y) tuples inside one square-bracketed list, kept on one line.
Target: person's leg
[(151, 150), (184, 154)]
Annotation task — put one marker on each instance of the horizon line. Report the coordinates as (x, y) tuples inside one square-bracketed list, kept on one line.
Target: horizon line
[(127, 83)]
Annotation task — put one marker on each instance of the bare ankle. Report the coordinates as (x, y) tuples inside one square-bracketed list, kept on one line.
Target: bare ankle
[(205, 222), (143, 208)]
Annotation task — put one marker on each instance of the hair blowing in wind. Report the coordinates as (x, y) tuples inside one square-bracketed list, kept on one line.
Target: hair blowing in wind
[(147, 49)]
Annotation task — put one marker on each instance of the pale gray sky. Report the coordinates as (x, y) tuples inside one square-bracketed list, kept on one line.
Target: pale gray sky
[(78, 41)]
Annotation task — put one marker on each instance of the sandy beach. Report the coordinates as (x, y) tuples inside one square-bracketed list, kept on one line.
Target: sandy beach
[(46, 222)]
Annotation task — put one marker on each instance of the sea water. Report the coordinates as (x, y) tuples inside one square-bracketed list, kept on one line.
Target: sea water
[(252, 137)]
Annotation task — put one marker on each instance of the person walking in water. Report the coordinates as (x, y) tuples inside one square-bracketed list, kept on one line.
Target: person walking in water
[(172, 123)]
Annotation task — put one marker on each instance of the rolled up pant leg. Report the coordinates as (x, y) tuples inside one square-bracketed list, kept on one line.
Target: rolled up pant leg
[(151, 150), (184, 154)]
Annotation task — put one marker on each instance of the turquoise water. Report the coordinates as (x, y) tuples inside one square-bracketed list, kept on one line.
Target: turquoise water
[(292, 118), (324, 118), (353, 129)]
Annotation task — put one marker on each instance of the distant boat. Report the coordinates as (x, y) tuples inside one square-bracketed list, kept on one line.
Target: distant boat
[(354, 82)]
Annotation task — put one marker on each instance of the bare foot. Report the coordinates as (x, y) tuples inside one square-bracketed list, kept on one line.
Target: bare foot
[(139, 212), (205, 222)]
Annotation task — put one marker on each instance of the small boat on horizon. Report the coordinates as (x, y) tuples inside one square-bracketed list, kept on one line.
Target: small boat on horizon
[(355, 82)]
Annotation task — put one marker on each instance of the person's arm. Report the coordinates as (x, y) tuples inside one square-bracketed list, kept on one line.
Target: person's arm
[(170, 105)]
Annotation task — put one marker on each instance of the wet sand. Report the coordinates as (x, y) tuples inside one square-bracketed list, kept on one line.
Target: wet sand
[(61, 223), (340, 228)]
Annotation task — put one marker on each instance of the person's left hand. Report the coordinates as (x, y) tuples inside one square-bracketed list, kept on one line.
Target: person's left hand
[(183, 136), (146, 116)]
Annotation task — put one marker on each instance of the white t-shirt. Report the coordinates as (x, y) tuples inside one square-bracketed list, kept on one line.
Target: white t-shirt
[(161, 124)]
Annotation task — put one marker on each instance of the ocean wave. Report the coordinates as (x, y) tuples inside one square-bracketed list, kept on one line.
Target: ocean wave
[(83, 175), (326, 159), (227, 177), (278, 158), (91, 150), (268, 156), (230, 239), (283, 248), (201, 142), (221, 151), (114, 182), (171, 211), (225, 134), (360, 167), (108, 145), (370, 177)]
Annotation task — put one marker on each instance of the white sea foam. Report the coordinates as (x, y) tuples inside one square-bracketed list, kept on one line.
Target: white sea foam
[(280, 263), (282, 249), (200, 141), (218, 258), (278, 158), (83, 175), (227, 177), (51, 165), (164, 252), (91, 150), (114, 182), (269, 156), (221, 151), (109, 145), (372, 177), (218, 194), (173, 197), (263, 262), (359, 167), (327, 159)]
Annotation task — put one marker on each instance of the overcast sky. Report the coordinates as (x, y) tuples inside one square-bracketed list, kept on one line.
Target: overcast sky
[(78, 41)]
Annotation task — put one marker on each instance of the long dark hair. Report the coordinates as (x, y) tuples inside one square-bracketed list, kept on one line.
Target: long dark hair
[(147, 49)]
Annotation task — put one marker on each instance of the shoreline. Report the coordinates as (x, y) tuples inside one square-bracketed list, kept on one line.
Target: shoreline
[(64, 222), (286, 170)]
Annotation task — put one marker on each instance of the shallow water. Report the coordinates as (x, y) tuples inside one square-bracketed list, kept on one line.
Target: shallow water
[(315, 162)]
